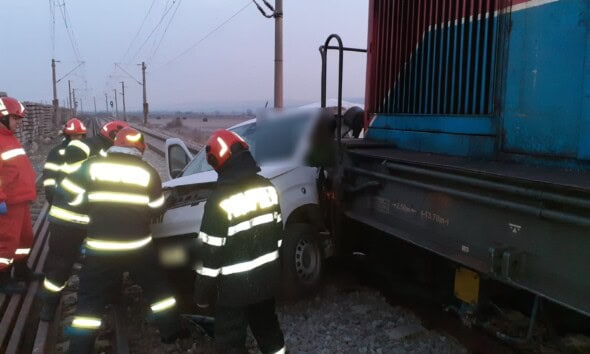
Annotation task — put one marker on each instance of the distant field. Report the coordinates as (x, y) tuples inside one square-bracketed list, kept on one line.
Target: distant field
[(194, 128)]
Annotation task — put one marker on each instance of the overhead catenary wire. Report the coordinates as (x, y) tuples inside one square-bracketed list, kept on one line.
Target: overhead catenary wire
[(166, 11), (165, 31), (69, 30), (128, 74), (193, 46), (262, 11), (108, 81), (69, 72), (139, 29)]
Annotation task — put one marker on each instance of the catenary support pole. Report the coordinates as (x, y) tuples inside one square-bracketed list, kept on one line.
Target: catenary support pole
[(278, 15), (55, 100), (145, 104), (123, 94), (116, 105)]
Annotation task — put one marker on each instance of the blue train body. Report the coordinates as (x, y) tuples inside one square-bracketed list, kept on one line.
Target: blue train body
[(529, 91), (484, 106)]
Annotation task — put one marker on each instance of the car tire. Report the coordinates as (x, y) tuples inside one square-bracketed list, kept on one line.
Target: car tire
[(302, 261)]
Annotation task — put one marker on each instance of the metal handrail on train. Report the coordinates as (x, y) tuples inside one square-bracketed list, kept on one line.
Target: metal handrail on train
[(324, 54)]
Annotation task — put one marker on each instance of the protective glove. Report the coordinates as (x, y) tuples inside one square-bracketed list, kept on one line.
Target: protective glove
[(3, 208)]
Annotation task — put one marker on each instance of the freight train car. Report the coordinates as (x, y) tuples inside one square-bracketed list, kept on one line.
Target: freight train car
[(477, 143)]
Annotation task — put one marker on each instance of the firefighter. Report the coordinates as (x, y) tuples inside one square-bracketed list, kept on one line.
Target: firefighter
[(67, 228), (118, 193), (17, 191), (78, 151), (241, 235), (73, 130)]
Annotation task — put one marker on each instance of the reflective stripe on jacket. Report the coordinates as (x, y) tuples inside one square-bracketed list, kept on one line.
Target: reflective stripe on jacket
[(52, 170), (240, 235), (119, 193), (17, 177)]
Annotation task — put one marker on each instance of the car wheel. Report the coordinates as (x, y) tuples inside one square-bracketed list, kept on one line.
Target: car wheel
[(302, 261)]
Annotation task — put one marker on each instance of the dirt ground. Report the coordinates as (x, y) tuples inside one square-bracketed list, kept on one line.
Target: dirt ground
[(195, 129)]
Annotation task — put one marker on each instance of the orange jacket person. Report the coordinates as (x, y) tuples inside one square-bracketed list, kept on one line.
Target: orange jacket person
[(17, 190)]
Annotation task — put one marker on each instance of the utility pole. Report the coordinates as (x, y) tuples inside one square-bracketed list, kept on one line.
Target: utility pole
[(70, 98), (123, 94), (278, 54), (277, 14), (55, 100), (145, 104), (94, 104), (74, 103), (116, 105), (106, 101)]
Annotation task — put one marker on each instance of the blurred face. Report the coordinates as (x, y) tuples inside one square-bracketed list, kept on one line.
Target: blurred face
[(13, 123), (76, 137)]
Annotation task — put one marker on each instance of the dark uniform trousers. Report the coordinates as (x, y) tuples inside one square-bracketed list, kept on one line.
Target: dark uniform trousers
[(65, 243), (231, 324), (97, 280)]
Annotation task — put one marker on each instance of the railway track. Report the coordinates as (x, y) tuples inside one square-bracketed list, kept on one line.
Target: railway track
[(21, 330), (156, 141)]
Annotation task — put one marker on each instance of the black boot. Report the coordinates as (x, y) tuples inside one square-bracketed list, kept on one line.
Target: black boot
[(10, 286), (21, 272), (50, 303)]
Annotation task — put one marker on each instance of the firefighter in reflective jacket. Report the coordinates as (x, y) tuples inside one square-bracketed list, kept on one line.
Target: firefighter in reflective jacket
[(118, 194), (78, 151), (241, 234), (52, 174), (67, 227), (17, 190)]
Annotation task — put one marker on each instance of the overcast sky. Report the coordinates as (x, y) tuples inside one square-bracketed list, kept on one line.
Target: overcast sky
[(232, 67)]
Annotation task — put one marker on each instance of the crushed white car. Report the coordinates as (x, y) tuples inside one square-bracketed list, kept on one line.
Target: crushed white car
[(284, 145)]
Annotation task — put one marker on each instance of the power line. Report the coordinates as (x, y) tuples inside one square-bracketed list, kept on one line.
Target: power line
[(165, 30), (69, 72), (63, 10), (262, 11), (69, 30), (166, 11), (128, 74), (139, 29), (72, 32), (207, 35)]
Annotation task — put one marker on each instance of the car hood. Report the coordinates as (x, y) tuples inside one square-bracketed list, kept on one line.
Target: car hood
[(270, 171)]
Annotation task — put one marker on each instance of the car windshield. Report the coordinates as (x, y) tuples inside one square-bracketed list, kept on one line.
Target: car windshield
[(269, 140), (199, 163), (277, 139)]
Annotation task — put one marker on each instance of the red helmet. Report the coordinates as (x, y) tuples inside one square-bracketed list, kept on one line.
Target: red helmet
[(11, 106), (129, 137), (74, 126), (221, 145), (111, 129)]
